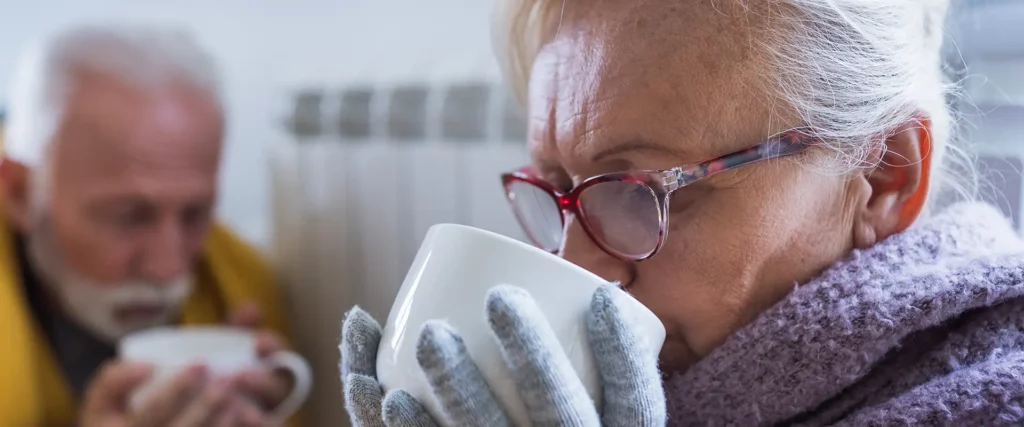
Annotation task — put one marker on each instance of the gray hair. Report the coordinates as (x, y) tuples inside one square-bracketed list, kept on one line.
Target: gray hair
[(145, 57), (853, 70)]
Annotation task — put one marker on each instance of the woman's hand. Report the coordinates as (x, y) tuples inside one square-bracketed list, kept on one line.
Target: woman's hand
[(545, 379)]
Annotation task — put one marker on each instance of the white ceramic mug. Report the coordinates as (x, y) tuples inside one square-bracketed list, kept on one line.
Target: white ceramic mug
[(449, 280), (224, 351)]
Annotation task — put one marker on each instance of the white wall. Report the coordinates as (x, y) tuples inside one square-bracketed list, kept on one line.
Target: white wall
[(990, 39), (988, 28), (268, 46)]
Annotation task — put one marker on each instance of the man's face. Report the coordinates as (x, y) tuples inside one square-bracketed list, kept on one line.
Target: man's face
[(132, 184)]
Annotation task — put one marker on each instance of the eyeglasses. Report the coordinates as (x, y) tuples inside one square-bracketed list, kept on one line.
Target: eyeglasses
[(626, 213)]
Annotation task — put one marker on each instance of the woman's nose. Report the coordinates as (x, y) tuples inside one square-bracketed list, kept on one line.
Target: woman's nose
[(578, 248)]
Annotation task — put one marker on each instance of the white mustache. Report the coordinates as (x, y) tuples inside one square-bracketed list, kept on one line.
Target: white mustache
[(94, 305), (147, 293)]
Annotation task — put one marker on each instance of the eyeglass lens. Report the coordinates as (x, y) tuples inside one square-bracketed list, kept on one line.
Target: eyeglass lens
[(538, 214), (623, 216)]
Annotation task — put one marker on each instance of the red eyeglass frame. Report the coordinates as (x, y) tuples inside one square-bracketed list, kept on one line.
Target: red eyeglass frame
[(662, 184)]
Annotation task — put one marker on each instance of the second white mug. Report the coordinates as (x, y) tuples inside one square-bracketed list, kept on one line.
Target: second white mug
[(223, 350)]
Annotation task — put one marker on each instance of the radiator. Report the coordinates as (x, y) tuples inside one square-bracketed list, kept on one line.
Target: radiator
[(370, 169)]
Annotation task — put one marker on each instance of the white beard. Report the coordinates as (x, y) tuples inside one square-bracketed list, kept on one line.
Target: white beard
[(94, 306)]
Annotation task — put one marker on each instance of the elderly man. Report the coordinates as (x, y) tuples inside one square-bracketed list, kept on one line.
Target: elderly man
[(109, 178)]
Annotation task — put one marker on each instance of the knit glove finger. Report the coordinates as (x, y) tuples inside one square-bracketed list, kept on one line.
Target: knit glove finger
[(456, 381), (633, 394), (545, 379), (360, 337), (403, 410), (363, 397)]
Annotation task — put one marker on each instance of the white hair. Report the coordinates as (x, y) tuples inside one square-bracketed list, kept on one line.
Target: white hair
[(855, 71), (145, 57)]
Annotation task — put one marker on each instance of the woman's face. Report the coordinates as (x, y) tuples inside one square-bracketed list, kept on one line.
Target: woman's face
[(664, 84)]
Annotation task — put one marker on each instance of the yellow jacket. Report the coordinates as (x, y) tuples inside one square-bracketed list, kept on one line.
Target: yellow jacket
[(32, 391)]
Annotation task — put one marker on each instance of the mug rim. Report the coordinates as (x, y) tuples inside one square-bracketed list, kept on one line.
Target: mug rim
[(470, 230), (134, 339)]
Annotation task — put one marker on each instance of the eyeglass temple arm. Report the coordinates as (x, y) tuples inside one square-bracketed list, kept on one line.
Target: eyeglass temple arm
[(786, 144)]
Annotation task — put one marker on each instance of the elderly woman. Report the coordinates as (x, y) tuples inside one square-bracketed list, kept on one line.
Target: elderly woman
[(800, 273)]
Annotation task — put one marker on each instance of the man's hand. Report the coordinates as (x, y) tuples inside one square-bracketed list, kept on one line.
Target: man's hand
[(189, 399), (106, 399), (266, 388), (192, 398)]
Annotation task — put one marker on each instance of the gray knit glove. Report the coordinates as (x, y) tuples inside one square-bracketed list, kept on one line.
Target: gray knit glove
[(546, 381)]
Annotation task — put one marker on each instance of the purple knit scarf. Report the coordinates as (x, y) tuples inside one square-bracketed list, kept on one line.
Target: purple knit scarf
[(924, 327)]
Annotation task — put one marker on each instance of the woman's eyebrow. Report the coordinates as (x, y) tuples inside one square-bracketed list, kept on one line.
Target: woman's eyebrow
[(639, 145)]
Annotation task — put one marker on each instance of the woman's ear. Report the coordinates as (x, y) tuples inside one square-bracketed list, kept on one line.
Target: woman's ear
[(16, 193), (899, 184)]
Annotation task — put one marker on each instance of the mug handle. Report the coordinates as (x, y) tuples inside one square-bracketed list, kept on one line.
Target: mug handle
[(300, 370)]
